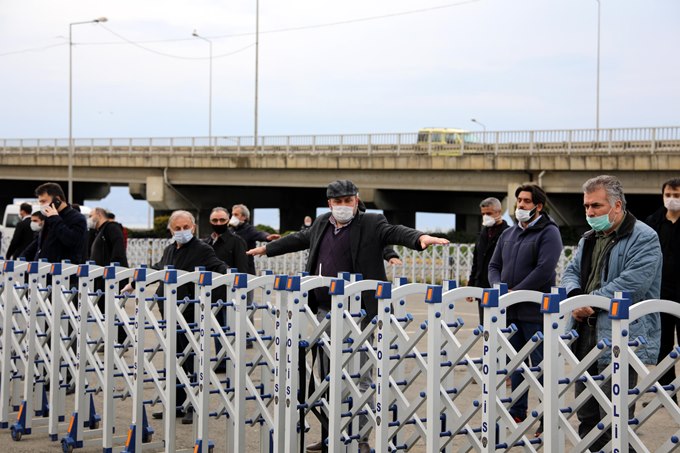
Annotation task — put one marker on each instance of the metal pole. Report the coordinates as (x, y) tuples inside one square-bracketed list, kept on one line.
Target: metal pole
[(210, 136), (474, 120), (597, 86), (257, 58), (70, 114), (480, 123), (210, 77), (70, 101)]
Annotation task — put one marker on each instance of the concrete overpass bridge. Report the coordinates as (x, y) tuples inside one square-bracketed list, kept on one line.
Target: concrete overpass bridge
[(399, 173)]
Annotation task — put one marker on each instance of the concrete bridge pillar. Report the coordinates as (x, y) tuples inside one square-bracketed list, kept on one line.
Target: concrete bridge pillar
[(401, 217)]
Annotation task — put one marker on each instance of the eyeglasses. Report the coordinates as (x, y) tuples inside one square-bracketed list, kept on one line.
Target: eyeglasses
[(219, 220)]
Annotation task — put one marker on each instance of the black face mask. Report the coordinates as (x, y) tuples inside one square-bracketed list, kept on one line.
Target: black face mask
[(219, 229)]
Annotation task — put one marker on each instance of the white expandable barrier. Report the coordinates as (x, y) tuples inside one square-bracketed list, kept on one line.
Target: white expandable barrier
[(400, 382)]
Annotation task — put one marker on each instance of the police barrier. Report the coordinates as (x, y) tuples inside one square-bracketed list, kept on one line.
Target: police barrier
[(399, 385)]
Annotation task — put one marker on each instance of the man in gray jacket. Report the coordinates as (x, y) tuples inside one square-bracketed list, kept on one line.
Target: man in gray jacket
[(620, 253)]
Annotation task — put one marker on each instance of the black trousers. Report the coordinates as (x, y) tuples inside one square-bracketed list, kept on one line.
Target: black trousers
[(670, 327), (182, 343)]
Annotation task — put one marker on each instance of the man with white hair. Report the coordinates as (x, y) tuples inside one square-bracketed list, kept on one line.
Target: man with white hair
[(186, 254), (240, 222), (492, 227)]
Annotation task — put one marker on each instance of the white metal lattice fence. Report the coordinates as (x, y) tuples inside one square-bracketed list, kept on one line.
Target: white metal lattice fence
[(433, 265)]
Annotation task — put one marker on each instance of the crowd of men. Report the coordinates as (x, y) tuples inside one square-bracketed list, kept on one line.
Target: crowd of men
[(619, 252)]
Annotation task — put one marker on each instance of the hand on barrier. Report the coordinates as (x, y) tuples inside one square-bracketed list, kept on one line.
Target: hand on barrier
[(395, 262), (257, 251), (426, 240), (128, 289), (580, 314), (470, 299)]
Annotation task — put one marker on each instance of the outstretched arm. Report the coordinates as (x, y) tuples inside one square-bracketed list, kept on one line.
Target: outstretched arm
[(426, 240), (257, 251)]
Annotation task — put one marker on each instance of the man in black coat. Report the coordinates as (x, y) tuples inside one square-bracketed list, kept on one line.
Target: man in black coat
[(186, 254), (65, 231), (229, 247), (492, 227), (107, 247), (23, 234), (240, 221), (665, 221), (347, 240), (362, 238)]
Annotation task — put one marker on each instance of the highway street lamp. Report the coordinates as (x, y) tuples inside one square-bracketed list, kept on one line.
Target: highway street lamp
[(70, 100), (210, 86), (597, 84), (257, 65), (480, 123)]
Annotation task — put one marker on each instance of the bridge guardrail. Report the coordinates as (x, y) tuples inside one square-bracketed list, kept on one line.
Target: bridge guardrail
[(611, 140)]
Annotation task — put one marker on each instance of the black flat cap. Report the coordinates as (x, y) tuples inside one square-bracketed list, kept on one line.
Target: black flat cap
[(341, 188)]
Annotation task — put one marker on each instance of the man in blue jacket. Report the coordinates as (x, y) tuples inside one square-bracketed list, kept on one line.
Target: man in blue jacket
[(620, 253), (525, 258)]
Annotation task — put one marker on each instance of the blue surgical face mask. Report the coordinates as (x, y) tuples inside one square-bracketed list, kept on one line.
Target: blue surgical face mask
[(182, 237), (600, 222)]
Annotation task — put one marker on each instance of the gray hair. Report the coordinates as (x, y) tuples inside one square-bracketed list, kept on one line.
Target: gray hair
[(180, 213), (220, 208), (611, 185), (244, 209), (100, 211), (491, 202)]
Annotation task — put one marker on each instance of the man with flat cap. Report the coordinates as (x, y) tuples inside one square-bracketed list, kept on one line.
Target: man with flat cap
[(347, 240)]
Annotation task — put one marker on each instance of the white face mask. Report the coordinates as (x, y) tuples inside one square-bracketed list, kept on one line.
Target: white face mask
[(524, 215), (488, 221), (91, 224), (234, 221), (343, 214), (672, 204), (35, 226), (182, 237)]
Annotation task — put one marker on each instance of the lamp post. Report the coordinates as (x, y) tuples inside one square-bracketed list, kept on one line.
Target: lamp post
[(257, 65), (210, 86), (480, 123), (597, 82), (70, 100)]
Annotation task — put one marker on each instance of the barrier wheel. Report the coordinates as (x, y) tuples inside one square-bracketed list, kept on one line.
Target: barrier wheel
[(67, 448), (16, 434), (210, 449), (95, 425), (146, 438)]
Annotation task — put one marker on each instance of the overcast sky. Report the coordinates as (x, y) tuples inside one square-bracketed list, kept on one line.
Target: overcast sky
[(512, 64)]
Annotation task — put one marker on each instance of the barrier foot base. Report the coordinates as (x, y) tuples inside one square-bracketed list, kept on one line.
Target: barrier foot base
[(70, 441), (198, 446)]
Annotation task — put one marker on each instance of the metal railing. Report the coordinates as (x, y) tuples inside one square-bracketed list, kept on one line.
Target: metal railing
[(433, 265), (646, 139)]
